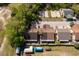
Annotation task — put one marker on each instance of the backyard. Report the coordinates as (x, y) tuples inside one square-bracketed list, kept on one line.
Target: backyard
[(52, 19), (59, 51), (56, 51), (6, 49)]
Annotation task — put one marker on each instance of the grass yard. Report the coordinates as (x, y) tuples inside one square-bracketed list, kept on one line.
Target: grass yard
[(56, 51), (7, 50), (52, 19), (59, 51)]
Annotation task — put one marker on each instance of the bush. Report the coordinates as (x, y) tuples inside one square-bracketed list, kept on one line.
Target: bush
[(76, 46)]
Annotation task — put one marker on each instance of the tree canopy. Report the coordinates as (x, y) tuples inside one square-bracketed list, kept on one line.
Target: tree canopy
[(75, 7), (22, 16)]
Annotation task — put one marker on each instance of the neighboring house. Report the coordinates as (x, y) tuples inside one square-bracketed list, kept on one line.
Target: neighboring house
[(75, 29), (64, 35), (55, 14), (52, 14), (67, 14), (43, 14)]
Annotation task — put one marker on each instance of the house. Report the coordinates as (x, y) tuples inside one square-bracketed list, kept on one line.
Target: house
[(60, 29), (41, 35), (48, 34), (64, 35), (75, 29)]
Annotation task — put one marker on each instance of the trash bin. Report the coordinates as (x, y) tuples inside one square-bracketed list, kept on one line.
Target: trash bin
[(18, 51), (38, 49)]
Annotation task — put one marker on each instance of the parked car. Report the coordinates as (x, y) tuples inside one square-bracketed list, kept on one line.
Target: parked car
[(69, 15)]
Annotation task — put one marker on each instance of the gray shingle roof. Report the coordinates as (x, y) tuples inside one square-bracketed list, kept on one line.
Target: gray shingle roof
[(55, 24), (63, 30)]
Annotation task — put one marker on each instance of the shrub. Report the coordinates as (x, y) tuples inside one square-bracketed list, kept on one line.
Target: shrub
[(76, 46)]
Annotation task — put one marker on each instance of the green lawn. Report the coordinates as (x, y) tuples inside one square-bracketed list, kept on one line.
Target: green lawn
[(7, 50), (51, 19), (59, 51), (56, 51)]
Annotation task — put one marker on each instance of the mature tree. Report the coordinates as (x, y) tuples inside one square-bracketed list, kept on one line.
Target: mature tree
[(14, 31), (4, 4), (56, 6), (75, 7), (22, 16)]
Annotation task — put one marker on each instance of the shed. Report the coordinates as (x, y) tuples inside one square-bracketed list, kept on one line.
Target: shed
[(75, 29), (64, 35)]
